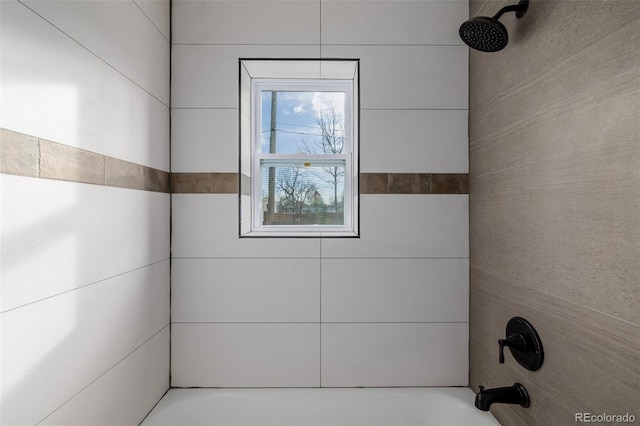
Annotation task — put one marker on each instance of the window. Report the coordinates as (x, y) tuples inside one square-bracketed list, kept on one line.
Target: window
[(299, 157)]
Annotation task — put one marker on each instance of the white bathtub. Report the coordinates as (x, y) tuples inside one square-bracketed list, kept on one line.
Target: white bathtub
[(320, 407)]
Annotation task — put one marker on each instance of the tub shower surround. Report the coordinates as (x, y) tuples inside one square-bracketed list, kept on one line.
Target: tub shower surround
[(555, 207), (387, 309), (84, 180)]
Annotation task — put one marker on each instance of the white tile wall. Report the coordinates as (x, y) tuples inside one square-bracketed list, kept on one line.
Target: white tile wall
[(204, 140), (133, 385), (85, 268), (206, 76), (207, 226), (58, 236), (78, 99), (395, 290), (245, 290), (159, 12), (414, 141), (106, 29), (395, 354), (407, 226), (54, 348), (409, 77), (245, 355), (393, 22), (246, 22), (395, 301)]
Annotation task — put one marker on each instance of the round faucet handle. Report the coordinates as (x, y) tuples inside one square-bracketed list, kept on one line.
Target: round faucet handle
[(524, 343), (515, 341)]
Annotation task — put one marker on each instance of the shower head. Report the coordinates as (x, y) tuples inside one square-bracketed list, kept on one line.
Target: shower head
[(484, 34), (488, 34)]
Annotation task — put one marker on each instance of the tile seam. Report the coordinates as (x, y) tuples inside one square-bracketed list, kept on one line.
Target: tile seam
[(84, 286), (130, 79), (105, 372)]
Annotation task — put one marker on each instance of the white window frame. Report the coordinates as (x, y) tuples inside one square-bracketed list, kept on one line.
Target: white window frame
[(349, 157)]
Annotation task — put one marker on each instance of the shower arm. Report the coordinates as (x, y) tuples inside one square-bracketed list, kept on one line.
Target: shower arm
[(519, 8)]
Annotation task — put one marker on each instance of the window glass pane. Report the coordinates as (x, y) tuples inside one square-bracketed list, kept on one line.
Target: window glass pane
[(308, 122), (299, 194)]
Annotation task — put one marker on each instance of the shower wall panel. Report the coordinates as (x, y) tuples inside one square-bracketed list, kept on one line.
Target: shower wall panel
[(291, 299), (85, 245), (555, 206)]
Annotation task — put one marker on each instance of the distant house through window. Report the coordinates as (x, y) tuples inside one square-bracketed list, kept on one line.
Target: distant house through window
[(299, 148)]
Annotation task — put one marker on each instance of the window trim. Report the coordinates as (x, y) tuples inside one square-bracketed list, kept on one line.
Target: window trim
[(348, 84)]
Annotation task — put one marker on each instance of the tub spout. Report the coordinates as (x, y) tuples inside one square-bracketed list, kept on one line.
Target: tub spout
[(515, 394)]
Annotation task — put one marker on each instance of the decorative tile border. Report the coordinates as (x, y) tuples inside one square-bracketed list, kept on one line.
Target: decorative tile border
[(26, 155), (370, 183), (414, 183), (204, 183)]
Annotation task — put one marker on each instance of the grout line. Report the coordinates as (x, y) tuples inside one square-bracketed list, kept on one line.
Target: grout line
[(314, 322), (311, 258), (413, 109), (170, 201), (39, 158), (320, 45), (101, 375), (150, 20), (246, 44), (235, 108), (320, 316), (244, 322), (84, 286), (326, 44), (155, 405), (94, 54)]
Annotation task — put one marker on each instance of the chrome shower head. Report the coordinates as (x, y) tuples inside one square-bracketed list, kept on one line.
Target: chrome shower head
[(488, 34)]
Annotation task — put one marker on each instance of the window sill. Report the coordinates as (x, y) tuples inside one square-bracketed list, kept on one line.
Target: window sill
[(301, 234)]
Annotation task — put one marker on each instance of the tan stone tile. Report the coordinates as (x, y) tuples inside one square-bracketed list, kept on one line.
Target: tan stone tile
[(19, 154), (123, 174), (449, 183), (190, 183), (591, 358), (374, 183), (64, 162), (224, 183), (404, 183), (156, 180)]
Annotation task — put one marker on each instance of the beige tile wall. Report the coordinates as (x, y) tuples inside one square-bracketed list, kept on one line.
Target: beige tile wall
[(555, 206)]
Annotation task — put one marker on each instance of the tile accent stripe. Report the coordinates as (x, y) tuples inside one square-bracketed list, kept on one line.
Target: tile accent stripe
[(370, 183), (26, 155), (414, 183), (29, 156), (204, 183)]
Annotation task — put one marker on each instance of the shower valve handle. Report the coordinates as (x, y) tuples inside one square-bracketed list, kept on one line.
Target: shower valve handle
[(515, 341)]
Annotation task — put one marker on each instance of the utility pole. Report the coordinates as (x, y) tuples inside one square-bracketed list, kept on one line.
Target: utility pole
[(272, 150)]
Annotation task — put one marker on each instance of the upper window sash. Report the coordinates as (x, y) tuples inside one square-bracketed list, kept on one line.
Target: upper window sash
[(300, 85)]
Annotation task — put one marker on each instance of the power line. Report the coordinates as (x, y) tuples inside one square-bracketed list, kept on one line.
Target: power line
[(297, 125), (295, 133)]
